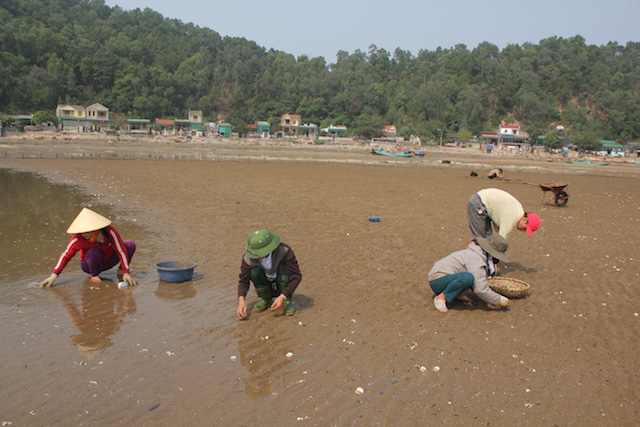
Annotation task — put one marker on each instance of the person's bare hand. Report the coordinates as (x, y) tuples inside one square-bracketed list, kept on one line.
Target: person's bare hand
[(49, 281), (127, 278), (242, 309), (278, 303)]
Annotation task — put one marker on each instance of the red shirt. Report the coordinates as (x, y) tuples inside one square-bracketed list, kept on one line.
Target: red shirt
[(112, 243)]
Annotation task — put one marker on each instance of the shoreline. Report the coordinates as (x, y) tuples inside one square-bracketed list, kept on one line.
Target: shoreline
[(280, 151)]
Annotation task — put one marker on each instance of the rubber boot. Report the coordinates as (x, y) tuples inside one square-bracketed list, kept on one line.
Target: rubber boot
[(288, 308), (264, 293)]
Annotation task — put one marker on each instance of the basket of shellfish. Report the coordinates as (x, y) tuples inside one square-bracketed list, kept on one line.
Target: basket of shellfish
[(509, 287)]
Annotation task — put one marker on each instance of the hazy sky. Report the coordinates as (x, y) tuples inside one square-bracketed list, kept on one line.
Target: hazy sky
[(323, 27)]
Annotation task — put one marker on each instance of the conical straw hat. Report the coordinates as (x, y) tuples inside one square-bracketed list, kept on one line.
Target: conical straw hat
[(86, 221)]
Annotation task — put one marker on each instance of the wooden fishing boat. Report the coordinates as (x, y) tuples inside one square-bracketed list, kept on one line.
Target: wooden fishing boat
[(379, 152), (587, 162)]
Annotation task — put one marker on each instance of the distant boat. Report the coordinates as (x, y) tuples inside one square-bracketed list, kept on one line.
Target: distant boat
[(379, 152), (587, 162)]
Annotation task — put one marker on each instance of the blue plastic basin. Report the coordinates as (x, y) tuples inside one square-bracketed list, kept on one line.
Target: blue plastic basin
[(175, 271)]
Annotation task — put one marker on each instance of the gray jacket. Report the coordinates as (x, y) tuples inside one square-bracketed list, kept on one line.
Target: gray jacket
[(472, 260)]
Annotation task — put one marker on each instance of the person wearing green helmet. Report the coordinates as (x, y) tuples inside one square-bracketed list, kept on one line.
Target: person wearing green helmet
[(273, 268)]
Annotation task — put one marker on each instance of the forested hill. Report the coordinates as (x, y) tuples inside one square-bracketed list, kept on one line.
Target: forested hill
[(145, 65)]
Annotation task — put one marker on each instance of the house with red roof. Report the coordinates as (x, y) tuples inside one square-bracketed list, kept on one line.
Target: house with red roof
[(165, 126), (510, 130), (390, 131), (70, 117), (512, 135), (289, 123)]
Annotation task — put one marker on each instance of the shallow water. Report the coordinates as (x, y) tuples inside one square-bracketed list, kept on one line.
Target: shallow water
[(34, 215), (83, 342)]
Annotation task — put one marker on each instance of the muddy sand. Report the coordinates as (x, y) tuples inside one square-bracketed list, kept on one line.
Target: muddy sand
[(162, 354)]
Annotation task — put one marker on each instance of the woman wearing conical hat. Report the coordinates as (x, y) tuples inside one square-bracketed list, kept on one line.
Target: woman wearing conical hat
[(100, 247), (273, 268)]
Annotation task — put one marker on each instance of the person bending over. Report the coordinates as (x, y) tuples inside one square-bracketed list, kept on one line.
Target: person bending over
[(493, 210), (452, 276)]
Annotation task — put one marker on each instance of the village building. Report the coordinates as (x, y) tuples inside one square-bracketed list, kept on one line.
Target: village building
[(225, 129), (509, 130), (263, 129), (165, 126), (195, 120), (139, 126), (289, 124), (190, 126), (18, 123), (98, 117), (512, 135), (335, 131), (70, 117), (308, 130), (390, 131), (611, 148), (259, 129), (77, 118)]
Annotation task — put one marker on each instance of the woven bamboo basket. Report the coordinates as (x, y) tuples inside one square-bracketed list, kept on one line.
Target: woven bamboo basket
[(509, 287)]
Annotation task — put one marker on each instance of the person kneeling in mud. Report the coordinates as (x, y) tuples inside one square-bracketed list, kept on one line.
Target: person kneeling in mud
[(452, 276), (273, 268)]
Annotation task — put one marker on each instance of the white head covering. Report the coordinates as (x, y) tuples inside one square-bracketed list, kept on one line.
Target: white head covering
[(86, 221)]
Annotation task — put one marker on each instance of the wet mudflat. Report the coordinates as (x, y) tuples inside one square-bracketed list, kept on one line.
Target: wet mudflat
[(164, 353)]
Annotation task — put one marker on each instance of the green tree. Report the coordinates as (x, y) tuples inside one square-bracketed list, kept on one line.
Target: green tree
[(44, 117), (141, 62), (369, 126), (586, 140), (464, 134), (550, 140)]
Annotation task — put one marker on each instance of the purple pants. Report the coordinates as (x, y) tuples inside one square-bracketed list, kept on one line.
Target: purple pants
[(93, 264)]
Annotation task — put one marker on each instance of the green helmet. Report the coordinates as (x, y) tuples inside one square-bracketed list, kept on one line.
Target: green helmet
[(261, 242)]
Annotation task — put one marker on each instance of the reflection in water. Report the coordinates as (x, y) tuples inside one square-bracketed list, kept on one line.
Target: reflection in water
[(263, 342), (97, 315), (34, 215), (175, 291), (263, 356)]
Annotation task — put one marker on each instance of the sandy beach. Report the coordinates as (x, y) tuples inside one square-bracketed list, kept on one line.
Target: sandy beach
[(161, 354)]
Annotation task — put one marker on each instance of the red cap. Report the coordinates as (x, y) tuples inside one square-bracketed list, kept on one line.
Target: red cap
[(533, 223)]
